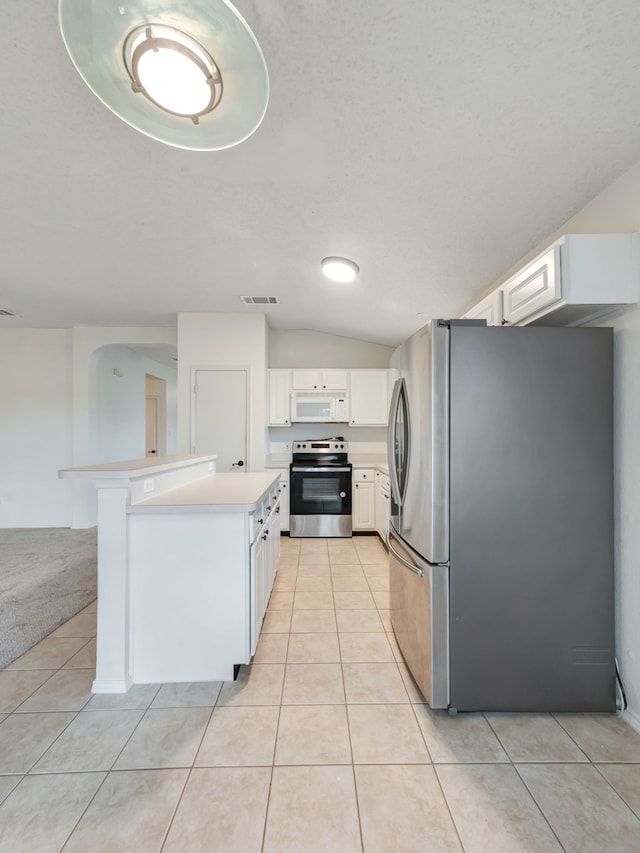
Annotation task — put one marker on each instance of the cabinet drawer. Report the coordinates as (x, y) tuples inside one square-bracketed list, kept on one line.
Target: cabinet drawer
[(363, 475)]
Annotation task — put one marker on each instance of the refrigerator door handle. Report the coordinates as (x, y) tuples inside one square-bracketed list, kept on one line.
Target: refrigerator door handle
[(402, 560), (391, 441)]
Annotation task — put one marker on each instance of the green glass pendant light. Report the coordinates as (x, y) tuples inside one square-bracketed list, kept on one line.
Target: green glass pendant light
[(190, 74)]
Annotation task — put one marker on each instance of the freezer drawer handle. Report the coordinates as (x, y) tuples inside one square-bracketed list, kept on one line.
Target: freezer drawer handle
[(402, 560)]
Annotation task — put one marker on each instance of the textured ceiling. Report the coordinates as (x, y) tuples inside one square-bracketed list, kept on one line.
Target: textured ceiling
[(434, 143)]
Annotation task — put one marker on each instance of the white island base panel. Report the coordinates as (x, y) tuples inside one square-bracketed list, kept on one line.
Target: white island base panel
[(182, 568), (190, 597)]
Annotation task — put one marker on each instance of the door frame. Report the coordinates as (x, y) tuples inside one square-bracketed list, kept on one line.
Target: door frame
[(192, 397)]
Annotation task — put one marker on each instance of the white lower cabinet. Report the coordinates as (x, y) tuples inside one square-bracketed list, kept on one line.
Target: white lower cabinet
[(284, 498), (383, 504), (265, 553), (257, 590), (364, 499)]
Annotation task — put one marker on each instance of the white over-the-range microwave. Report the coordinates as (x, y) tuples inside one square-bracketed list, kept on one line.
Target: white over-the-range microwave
[(319, 406)]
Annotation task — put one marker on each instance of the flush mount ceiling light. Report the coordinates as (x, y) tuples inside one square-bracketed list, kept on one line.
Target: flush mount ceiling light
[(191, 74), (339, 269)]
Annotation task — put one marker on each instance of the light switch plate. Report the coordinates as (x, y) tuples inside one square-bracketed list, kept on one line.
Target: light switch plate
[(148, 486)]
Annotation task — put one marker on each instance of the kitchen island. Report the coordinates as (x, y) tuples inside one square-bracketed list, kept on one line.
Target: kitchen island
[(186, 561)]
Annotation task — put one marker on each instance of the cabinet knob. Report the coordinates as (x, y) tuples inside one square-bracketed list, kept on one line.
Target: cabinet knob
[(356, 485), (505, 323), (264, 535), (286, 421), (261, 521)]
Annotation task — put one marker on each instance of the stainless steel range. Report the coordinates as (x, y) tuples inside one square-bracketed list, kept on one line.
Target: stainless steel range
[(320, 488)]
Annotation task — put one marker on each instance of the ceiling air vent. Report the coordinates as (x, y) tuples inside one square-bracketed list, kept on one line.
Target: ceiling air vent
[(4, 313), (260, 300)]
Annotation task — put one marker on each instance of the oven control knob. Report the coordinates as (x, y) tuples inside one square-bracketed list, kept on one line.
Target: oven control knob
[(343, 494)]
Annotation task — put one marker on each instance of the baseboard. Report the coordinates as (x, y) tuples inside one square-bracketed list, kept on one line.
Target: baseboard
[(632, 718)]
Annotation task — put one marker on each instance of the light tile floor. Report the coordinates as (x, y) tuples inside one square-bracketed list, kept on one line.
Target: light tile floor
[(323, 744)]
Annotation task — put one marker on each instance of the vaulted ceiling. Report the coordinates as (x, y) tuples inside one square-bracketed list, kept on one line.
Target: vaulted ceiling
[(434, 143)]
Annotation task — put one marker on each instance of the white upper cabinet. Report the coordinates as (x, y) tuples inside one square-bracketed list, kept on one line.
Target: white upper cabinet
[(579, 278), (319, 380), (369, 392), (279, 398), (534, 290), (369, 400), (489, 309)]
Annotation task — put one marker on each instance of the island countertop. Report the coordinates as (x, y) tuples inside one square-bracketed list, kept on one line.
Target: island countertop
[(133, 468), (213, 493)]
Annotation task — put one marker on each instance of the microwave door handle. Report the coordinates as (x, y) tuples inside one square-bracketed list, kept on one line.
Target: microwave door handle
[(391, 441)]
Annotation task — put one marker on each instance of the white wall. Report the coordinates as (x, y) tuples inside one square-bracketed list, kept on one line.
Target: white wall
[(224, 340), (36, 388), (120, 403), (617, 209), (302, 348), (48, 382)]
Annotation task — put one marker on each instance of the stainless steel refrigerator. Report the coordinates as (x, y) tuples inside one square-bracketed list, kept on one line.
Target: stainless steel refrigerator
[(501, 533)]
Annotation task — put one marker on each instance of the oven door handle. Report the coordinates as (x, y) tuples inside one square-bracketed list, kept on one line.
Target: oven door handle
[(318, 469)]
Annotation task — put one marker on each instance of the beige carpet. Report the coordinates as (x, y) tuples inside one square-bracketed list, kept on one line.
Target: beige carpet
[(46, 576)]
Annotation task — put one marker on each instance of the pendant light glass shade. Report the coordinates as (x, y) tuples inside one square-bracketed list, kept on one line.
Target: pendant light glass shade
[(190, 74)]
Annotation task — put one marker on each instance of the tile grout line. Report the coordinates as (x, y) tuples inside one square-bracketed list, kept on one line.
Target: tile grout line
[(275, 741), (189, 769), (76, 714), (519, 775), (353, 767)]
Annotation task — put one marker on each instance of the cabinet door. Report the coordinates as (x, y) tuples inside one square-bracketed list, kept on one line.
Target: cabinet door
[(489, 309), (272, 548), (383, 526), (379, 504), (364, 506), (368, 402), (284, 498), (533, 289), (335, 380), (257, 590), (279, 398), (305, 380)]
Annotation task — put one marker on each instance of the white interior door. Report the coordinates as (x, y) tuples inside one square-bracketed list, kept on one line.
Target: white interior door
[(220, 417), (156, 415), (151, 424)]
